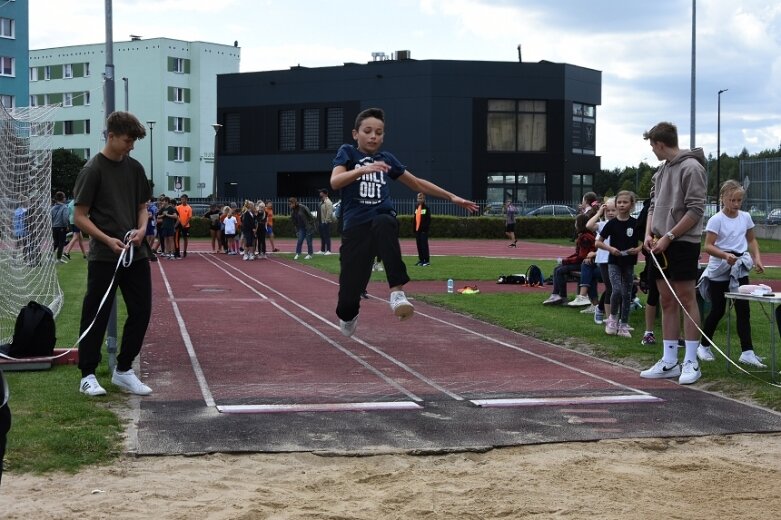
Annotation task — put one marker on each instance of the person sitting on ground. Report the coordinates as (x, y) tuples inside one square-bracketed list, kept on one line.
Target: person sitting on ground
[(583, 245)]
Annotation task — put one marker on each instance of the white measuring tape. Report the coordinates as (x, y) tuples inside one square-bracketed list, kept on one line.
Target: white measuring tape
[(729, 360), (125, 260)]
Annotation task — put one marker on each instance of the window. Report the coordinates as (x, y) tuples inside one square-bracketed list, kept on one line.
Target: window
[(232, 133), (86, 97), (179, 65), (179, 153), (311, 129), (7, 101), (7, 66), (287, 130), (47, 72), (178, 95), (68, 128), (334, 127), (68, 70), (33, 100), (517, 126), (7, 28), (581, 183), (67, 99), (517, 186), (584, 118), (33, 73), (86, 70), (179, 124)]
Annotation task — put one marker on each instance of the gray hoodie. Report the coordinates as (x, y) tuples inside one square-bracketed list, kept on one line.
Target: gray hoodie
[(679, 188)]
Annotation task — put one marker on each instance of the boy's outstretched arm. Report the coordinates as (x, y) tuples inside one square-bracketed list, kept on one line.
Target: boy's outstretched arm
[(340, 177), (429, 188)]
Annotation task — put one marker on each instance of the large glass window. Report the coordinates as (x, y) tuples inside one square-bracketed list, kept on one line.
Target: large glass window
[(68, 70), (7, 28), (7, 66), (287, 130), (518, 186), (311, 129), (581, 183), (584, 119), (517, 125), (334, 127)]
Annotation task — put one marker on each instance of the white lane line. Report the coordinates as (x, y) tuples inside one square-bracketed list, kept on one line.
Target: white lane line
[(322, 336), (319, 407), (188, 344), (565, 401)]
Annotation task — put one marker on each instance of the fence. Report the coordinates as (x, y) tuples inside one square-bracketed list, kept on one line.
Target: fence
[(762, 180)]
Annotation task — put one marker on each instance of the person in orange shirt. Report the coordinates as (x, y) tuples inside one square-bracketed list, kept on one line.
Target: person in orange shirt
[(185, 212), (270, 225)]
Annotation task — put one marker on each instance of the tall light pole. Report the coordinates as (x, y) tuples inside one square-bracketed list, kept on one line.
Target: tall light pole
[(693, 131), (151, 125), (216, 127), (718, 142)]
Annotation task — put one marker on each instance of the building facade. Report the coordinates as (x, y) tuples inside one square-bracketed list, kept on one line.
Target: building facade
[(170, 85), (487, 130), (14, 52)]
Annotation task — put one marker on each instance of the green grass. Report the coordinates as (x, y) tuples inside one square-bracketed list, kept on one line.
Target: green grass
[(55, 428)]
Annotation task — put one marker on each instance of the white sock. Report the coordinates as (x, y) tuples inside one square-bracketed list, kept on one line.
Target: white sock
[(670, 351), (691, 350)]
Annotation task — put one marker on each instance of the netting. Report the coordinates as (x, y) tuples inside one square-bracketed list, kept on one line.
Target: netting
[(27, 264)]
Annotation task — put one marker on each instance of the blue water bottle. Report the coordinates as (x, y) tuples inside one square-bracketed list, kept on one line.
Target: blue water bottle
[(450, 285)]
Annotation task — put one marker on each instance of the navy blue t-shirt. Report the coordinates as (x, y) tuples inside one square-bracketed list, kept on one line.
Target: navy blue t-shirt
[(622, 236), (369, 195)]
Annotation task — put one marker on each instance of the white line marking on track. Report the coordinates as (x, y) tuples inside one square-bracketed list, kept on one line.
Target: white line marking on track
[(564, 401), (320, 407), (188, 344), (325, 338)]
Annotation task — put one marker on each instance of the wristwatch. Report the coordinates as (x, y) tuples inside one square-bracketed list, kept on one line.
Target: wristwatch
[(670, 235)]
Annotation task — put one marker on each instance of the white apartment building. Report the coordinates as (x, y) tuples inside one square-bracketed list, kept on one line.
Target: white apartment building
[(170, 85)]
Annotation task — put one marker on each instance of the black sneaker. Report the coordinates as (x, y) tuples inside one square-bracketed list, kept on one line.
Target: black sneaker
[(365, 295), (67, 255)]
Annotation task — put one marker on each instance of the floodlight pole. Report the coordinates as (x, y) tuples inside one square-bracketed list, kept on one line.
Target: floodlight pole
[(109, 103), (718, 143), (151, 125), (216, 127)]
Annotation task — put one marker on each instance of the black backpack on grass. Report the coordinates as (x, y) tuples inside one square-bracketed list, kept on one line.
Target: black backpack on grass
[(34, 332)]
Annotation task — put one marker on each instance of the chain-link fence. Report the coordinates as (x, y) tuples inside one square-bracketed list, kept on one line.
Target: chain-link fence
[(762, 180)]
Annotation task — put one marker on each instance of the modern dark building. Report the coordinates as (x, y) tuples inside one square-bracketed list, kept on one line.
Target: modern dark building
[(485, 130)]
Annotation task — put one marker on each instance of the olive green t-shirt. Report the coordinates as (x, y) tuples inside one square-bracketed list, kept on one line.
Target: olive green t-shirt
[(113, 191)]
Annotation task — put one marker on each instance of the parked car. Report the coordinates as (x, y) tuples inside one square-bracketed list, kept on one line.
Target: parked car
[(774, 217), (493, 209), (552, 210)]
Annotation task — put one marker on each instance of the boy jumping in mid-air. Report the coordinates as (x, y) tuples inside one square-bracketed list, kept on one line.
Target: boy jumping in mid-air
[(370, 227)]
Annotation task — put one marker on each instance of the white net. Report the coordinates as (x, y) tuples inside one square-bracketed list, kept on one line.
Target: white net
[(27, 264)]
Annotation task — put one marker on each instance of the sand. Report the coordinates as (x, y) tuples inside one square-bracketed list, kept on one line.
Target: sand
[(718, 477)]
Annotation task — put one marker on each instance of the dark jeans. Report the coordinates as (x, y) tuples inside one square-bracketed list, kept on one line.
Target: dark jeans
[(421, 239), (360, 245), (325, 237), (58, 235), (135, 282), (718, 306), (261, 234), (560, 273), (590, 276), (301, 234)]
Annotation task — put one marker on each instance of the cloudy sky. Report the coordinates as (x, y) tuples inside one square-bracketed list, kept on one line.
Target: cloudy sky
[(643, 49)]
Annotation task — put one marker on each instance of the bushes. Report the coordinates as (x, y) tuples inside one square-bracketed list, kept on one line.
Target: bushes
[(443, 226)]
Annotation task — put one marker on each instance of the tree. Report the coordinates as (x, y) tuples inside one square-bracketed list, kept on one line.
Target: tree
[(65, 168)]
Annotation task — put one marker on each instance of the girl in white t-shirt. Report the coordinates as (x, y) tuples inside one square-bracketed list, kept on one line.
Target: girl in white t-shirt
[(729, 238)]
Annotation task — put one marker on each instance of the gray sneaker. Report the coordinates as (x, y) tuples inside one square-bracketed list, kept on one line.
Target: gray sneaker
[(128, 382), (348, 327)]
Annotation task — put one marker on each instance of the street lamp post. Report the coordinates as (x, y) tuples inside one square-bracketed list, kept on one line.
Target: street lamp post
[(718, 142), (216, 127), (151, 125)]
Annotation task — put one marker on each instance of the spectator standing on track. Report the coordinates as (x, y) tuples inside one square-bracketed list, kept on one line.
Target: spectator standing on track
[(270, 225), (673, 235), (733, 250), (624, 248), (261, 229), (325, 215), (111, 195), (229, 229), (249, 227), (76, 237), (583, 246), (422, 223), (59, 214), (370, 227), (151, 227), (304, 223), (214, 226), (169, 218), (509, 223), (185, 212)]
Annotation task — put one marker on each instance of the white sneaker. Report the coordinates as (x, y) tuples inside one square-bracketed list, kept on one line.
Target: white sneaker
[(295, 257), (128, 382), (623, 331), (553, 299), (245, 257), (580, 301), (319, 252), (348, 327), (750, 358), (611, 326), (591, 309), (90, 386), (662, 370), (308, 257), (704, 353), (327, 253), (690, 373), (402, 308)]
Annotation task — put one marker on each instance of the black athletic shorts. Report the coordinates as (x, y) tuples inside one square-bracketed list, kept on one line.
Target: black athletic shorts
[(680, 262)]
